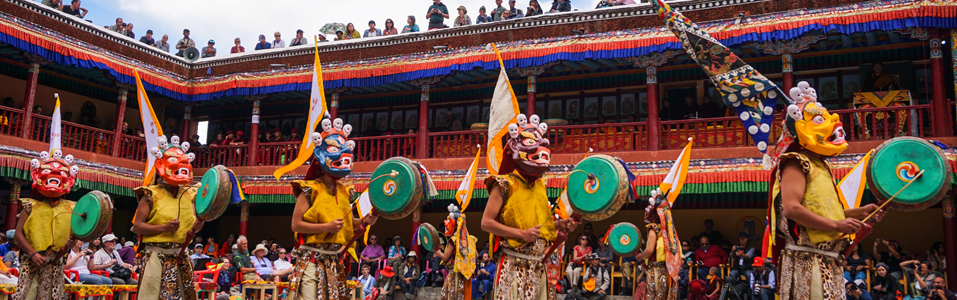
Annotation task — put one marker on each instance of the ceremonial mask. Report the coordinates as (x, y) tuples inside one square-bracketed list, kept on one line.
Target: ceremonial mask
[(815, 128), (528, 147), (333, 150), (53, 175), (172, 162)]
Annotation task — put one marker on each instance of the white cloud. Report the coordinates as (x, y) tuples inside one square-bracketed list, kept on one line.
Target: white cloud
[(225, 20)]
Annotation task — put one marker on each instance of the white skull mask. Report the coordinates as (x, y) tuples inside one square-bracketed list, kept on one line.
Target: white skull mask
[(337, 124), (534, 120), (316, 138), (163, 144), (174, 140), (513, 130), (57, 154), (347, 130), (522, 120), (326, 125)]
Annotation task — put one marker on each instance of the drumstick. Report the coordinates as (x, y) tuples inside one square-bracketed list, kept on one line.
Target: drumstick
[(894, 196)]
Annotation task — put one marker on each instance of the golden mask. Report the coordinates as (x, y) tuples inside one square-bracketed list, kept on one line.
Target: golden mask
[(818, 130)]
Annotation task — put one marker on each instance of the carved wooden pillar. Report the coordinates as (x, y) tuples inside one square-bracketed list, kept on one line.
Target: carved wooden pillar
[(254, 134), (422, 138), (787, 72), (184, 129), (32, 74), (653, 124), (244, 218), (334, 107), (941, 113), (122, 90)]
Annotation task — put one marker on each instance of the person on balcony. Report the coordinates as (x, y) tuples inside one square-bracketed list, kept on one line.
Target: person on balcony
[(165, 223), (534, 9), (513, 12), (463, 18), (518, 211), (482, 17), (877, 80), (437, 14), (372, 31), (322, 217), (389, 28), (561, 6)]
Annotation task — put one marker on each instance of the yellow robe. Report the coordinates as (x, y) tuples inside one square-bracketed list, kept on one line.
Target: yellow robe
[(165, 207)]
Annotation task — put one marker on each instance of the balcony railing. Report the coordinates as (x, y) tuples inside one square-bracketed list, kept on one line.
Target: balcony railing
[(870, 124), (132, 147), (10, 121), (599, 137), (74, 136), (384, 147), (457, 143)]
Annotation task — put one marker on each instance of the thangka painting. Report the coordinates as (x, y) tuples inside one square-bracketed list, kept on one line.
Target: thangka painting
[(752, 95)]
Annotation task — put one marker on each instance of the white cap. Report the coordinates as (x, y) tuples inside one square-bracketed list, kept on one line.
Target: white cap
[(108, 237)]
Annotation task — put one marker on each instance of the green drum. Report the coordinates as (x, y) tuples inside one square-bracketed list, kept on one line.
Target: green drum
[(428, 237), (396, 188), (92, 215), (215, 191), (897, 162), (624, 239), (598, 187)]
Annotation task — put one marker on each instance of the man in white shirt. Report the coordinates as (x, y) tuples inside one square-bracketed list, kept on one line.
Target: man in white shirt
[(282, 263), (278, 43), (107, 257)]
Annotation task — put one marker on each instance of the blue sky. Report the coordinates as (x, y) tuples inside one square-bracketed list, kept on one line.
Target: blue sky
[(223, 21)]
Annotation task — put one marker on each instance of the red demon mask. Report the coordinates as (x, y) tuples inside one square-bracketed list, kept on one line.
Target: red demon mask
[(172, 162), (53, 176)]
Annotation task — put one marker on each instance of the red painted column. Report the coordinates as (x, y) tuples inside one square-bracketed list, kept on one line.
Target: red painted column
[(422, 139), (120, 112), (243, 218), (28, 97), (254, 136), (653, 123), (787, 72), (950, 239), (334, 109), (416, 220), (530, 106), (13, 207), (941, 114), (184, 129)]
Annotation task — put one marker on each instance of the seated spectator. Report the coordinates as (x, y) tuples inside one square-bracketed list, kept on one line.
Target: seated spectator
[(483, 276), (854, 292), (263, 44), (763, 282), (715, 237), (129, 31), (389, 28), (623, 2), (596, 280), (937, 259), (604, 3), (264, 267), (497, 12), (741, 257), (322, 37), (437, 14), (209, 50), (339, 35), (574, 268), (604, 254), (282, 263), (627, 267), (919, 279), (709, 256), (163, 43), (241, 264), (108, 259), (396, 251), (462, 19), (561, 6), (412, 27), (883, 285), (238, 48), (55, 4), (299, 40), (211, 245), (892, 258), (75, 9), (127, 254), (482, 17), (713, 290), (80, 261), (372, 31), (184, 43), (11, 260), (855, 266), (351, 32), (512, 11), (278, 42), (197, 254), (939, 291), (385, 284), (408, 273), (148, 38), (366, 281), (119, 27), (224, 281), (534, 9), (372, 253)]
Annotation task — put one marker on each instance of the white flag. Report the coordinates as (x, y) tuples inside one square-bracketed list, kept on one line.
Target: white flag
[(503, 111), (151, 127), (364, 204), (851, 188), (55, 128)]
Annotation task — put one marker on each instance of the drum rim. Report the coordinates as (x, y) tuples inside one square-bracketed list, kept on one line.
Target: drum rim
[(620, 196), (211, 214), (637, 235), (933, 200), (433, 232), (417, 193)]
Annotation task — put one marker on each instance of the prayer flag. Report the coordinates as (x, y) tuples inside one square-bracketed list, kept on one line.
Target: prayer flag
[(317, 108), (503, 111), (675, 179)]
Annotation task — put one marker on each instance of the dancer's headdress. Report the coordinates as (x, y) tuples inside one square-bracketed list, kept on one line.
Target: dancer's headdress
[(53, 174)]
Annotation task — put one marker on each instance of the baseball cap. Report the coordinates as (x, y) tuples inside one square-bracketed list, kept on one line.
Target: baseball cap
[(212, 41), (198, 246), (149, 31), (758, 261), (262, 37)]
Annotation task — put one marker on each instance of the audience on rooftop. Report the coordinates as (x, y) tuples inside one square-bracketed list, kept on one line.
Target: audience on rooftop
[(238, 48), (412, 27), (482, 17), (148, 38), (437, 15), (209, 50), (299, 40), (372, 31), (389, 28), (462, 19), (262, 45), (351, 32), (163, 43), (74, 9), (184, 43), (278, 42)]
